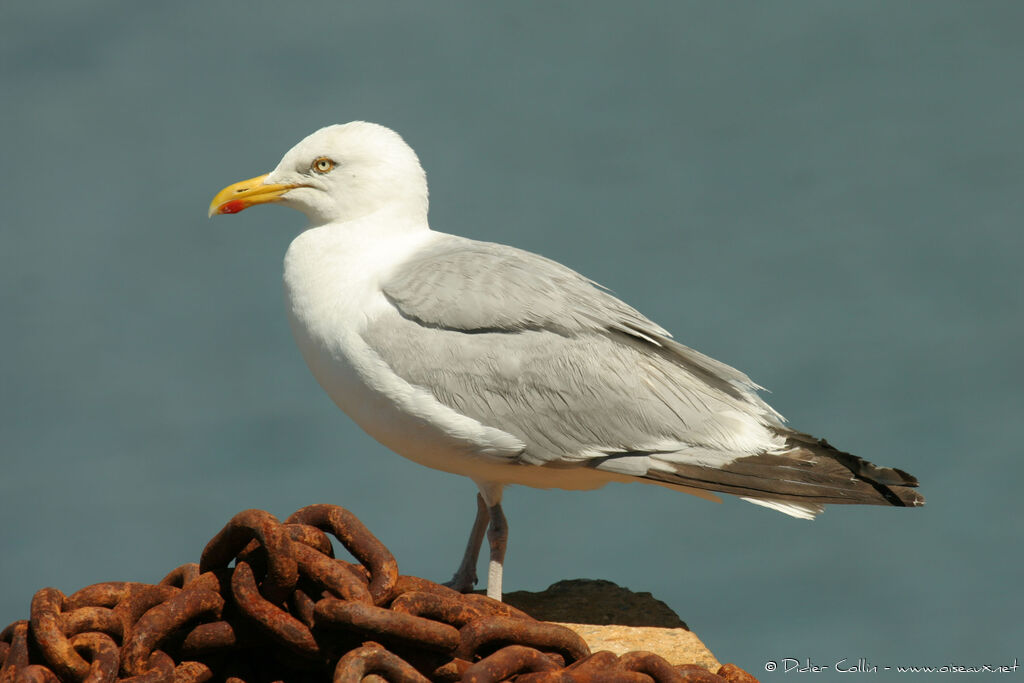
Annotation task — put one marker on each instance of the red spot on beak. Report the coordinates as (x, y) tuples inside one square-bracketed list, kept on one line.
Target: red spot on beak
[(234, 206)]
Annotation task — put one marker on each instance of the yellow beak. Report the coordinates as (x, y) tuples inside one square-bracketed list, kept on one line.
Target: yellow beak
[(241, 196)]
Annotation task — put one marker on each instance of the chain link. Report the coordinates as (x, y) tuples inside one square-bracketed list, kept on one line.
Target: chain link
[(268, 601)]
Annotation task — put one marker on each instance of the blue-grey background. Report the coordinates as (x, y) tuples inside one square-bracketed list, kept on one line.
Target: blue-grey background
[(824, 194)]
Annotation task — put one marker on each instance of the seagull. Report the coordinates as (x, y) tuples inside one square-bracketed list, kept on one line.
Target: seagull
[(501, 365)]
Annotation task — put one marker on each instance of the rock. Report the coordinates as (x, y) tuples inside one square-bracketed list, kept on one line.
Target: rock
[(613, 618), (677, 645), (591, 601)]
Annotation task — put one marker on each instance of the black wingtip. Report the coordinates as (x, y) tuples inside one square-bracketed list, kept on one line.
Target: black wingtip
[(893, 484)]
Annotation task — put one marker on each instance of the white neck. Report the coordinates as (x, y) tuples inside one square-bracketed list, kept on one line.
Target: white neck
[(343, 263)]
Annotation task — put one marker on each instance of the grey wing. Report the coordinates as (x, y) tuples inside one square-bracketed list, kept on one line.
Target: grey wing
[(528, 346), (524, 344), (473, 287), (572, 399), (466, 285)]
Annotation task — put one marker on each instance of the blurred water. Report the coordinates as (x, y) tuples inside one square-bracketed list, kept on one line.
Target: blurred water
[(826, 195)]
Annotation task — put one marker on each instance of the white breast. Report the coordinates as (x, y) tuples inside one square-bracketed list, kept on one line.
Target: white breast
[(332, 286)]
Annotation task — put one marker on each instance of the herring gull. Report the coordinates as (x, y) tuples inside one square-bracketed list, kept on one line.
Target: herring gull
[(491, 362)]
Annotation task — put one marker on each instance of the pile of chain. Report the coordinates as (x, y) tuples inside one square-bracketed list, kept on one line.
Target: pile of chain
[(270, 602)]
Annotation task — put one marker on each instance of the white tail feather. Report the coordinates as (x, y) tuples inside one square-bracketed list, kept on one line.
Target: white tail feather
[(798, 510)]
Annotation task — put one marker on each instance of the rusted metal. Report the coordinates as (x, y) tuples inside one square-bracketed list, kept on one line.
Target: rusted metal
[(268, 601), (303, 607), (483, 636), (509, 661), (163, 619), (734, 674), (101, 652), (182, 575), (408, 584), (452, 670), (48, 635), (207, 638), (274, 621), (16, 656), (696, 674), (311, 536), (192, 672), (358, 540), (602, 666), (92, 620), (97, 595), (653, 665), (374, 659), (36, 673), (369, 621), (495, 607), (158, 669), (282, 571), (331, 575), (437, 606)]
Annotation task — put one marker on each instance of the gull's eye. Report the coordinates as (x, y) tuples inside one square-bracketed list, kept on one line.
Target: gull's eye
[(323, 165)]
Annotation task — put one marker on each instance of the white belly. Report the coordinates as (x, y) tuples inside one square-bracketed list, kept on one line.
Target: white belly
[(400, 417)]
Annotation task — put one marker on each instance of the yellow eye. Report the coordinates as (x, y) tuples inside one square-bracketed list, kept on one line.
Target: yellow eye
[(323, 165)]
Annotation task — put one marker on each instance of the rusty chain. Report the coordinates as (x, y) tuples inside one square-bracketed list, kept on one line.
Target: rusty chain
[(268, 601)]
